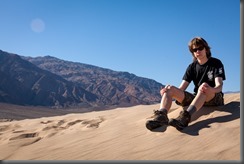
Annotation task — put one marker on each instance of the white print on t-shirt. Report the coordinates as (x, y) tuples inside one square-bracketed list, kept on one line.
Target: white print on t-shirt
[(210, 75), (220, 70)]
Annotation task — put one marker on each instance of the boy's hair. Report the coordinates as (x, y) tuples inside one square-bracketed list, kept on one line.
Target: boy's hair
[(198, 41)]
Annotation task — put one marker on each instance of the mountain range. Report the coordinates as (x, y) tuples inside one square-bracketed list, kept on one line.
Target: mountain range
[(49, 81)]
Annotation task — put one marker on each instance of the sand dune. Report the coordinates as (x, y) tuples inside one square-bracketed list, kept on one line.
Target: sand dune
[(120, 134)]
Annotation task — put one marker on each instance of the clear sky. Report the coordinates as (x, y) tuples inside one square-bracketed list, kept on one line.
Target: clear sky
[(148, 38)]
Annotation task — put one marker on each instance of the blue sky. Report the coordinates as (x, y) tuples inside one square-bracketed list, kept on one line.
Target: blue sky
[(148, 38)]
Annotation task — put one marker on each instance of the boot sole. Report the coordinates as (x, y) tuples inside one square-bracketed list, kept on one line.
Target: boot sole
[(151, 125), (176, 124)]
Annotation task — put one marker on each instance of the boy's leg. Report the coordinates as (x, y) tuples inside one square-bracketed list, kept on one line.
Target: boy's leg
[(188, 98), (172, 93), (200, 100), (160, 116), (184, 118), (218, 100)]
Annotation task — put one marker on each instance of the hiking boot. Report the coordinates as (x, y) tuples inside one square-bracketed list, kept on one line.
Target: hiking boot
[(181, 121), (160, 119)]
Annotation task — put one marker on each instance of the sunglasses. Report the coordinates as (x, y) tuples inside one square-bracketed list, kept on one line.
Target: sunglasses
[(199, 48)]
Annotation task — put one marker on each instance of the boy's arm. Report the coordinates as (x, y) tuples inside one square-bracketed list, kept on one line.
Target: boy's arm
[(184, 84), (218, 84)]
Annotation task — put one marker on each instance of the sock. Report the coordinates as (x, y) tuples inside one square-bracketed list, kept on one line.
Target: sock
[(164, 110), (191, 109)]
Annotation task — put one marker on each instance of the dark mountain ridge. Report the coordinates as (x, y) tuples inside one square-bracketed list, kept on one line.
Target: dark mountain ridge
[(49, 81), (112, 87), (24, 83)]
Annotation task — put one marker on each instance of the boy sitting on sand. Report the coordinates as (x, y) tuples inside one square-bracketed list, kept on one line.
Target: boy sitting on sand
[(207, 74)]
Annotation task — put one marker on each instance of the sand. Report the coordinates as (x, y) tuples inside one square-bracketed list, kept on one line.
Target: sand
[(120, 134)]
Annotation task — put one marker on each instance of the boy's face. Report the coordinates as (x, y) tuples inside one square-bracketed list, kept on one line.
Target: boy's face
[(199, 52)]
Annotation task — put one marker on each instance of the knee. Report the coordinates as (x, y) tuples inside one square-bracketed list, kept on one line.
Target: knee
[(201, 88), (170, 87), (170, 90)]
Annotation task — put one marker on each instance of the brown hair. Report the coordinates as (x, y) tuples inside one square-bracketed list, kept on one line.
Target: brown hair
[(198, 41)]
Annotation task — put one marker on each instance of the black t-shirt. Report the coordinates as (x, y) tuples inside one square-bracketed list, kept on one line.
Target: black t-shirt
[(204, 73)]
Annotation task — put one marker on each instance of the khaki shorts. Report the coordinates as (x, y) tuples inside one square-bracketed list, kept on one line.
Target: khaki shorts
[(216, 101)]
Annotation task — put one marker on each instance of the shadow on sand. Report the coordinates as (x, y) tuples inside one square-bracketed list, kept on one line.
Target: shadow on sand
[(233, 108)]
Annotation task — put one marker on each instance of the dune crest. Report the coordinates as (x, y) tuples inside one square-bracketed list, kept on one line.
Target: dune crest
[(120, 134)]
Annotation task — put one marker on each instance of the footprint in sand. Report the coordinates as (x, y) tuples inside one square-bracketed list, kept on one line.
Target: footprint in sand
[(93, 123), (25, 135), (4, 128), (60, 124), (46, 122), (54, 127), (8, 127), (26, 138), (73, 123)]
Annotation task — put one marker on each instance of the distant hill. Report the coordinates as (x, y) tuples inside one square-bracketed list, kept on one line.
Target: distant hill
[(49, 81), (231, 92), (23, 83), (112, 87)]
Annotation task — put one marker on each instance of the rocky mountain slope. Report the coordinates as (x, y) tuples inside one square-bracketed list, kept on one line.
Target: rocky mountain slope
[(49, 81), (23, 83)]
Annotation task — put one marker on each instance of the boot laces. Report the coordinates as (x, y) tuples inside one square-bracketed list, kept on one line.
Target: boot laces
[(183, 117), (160, 116)]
